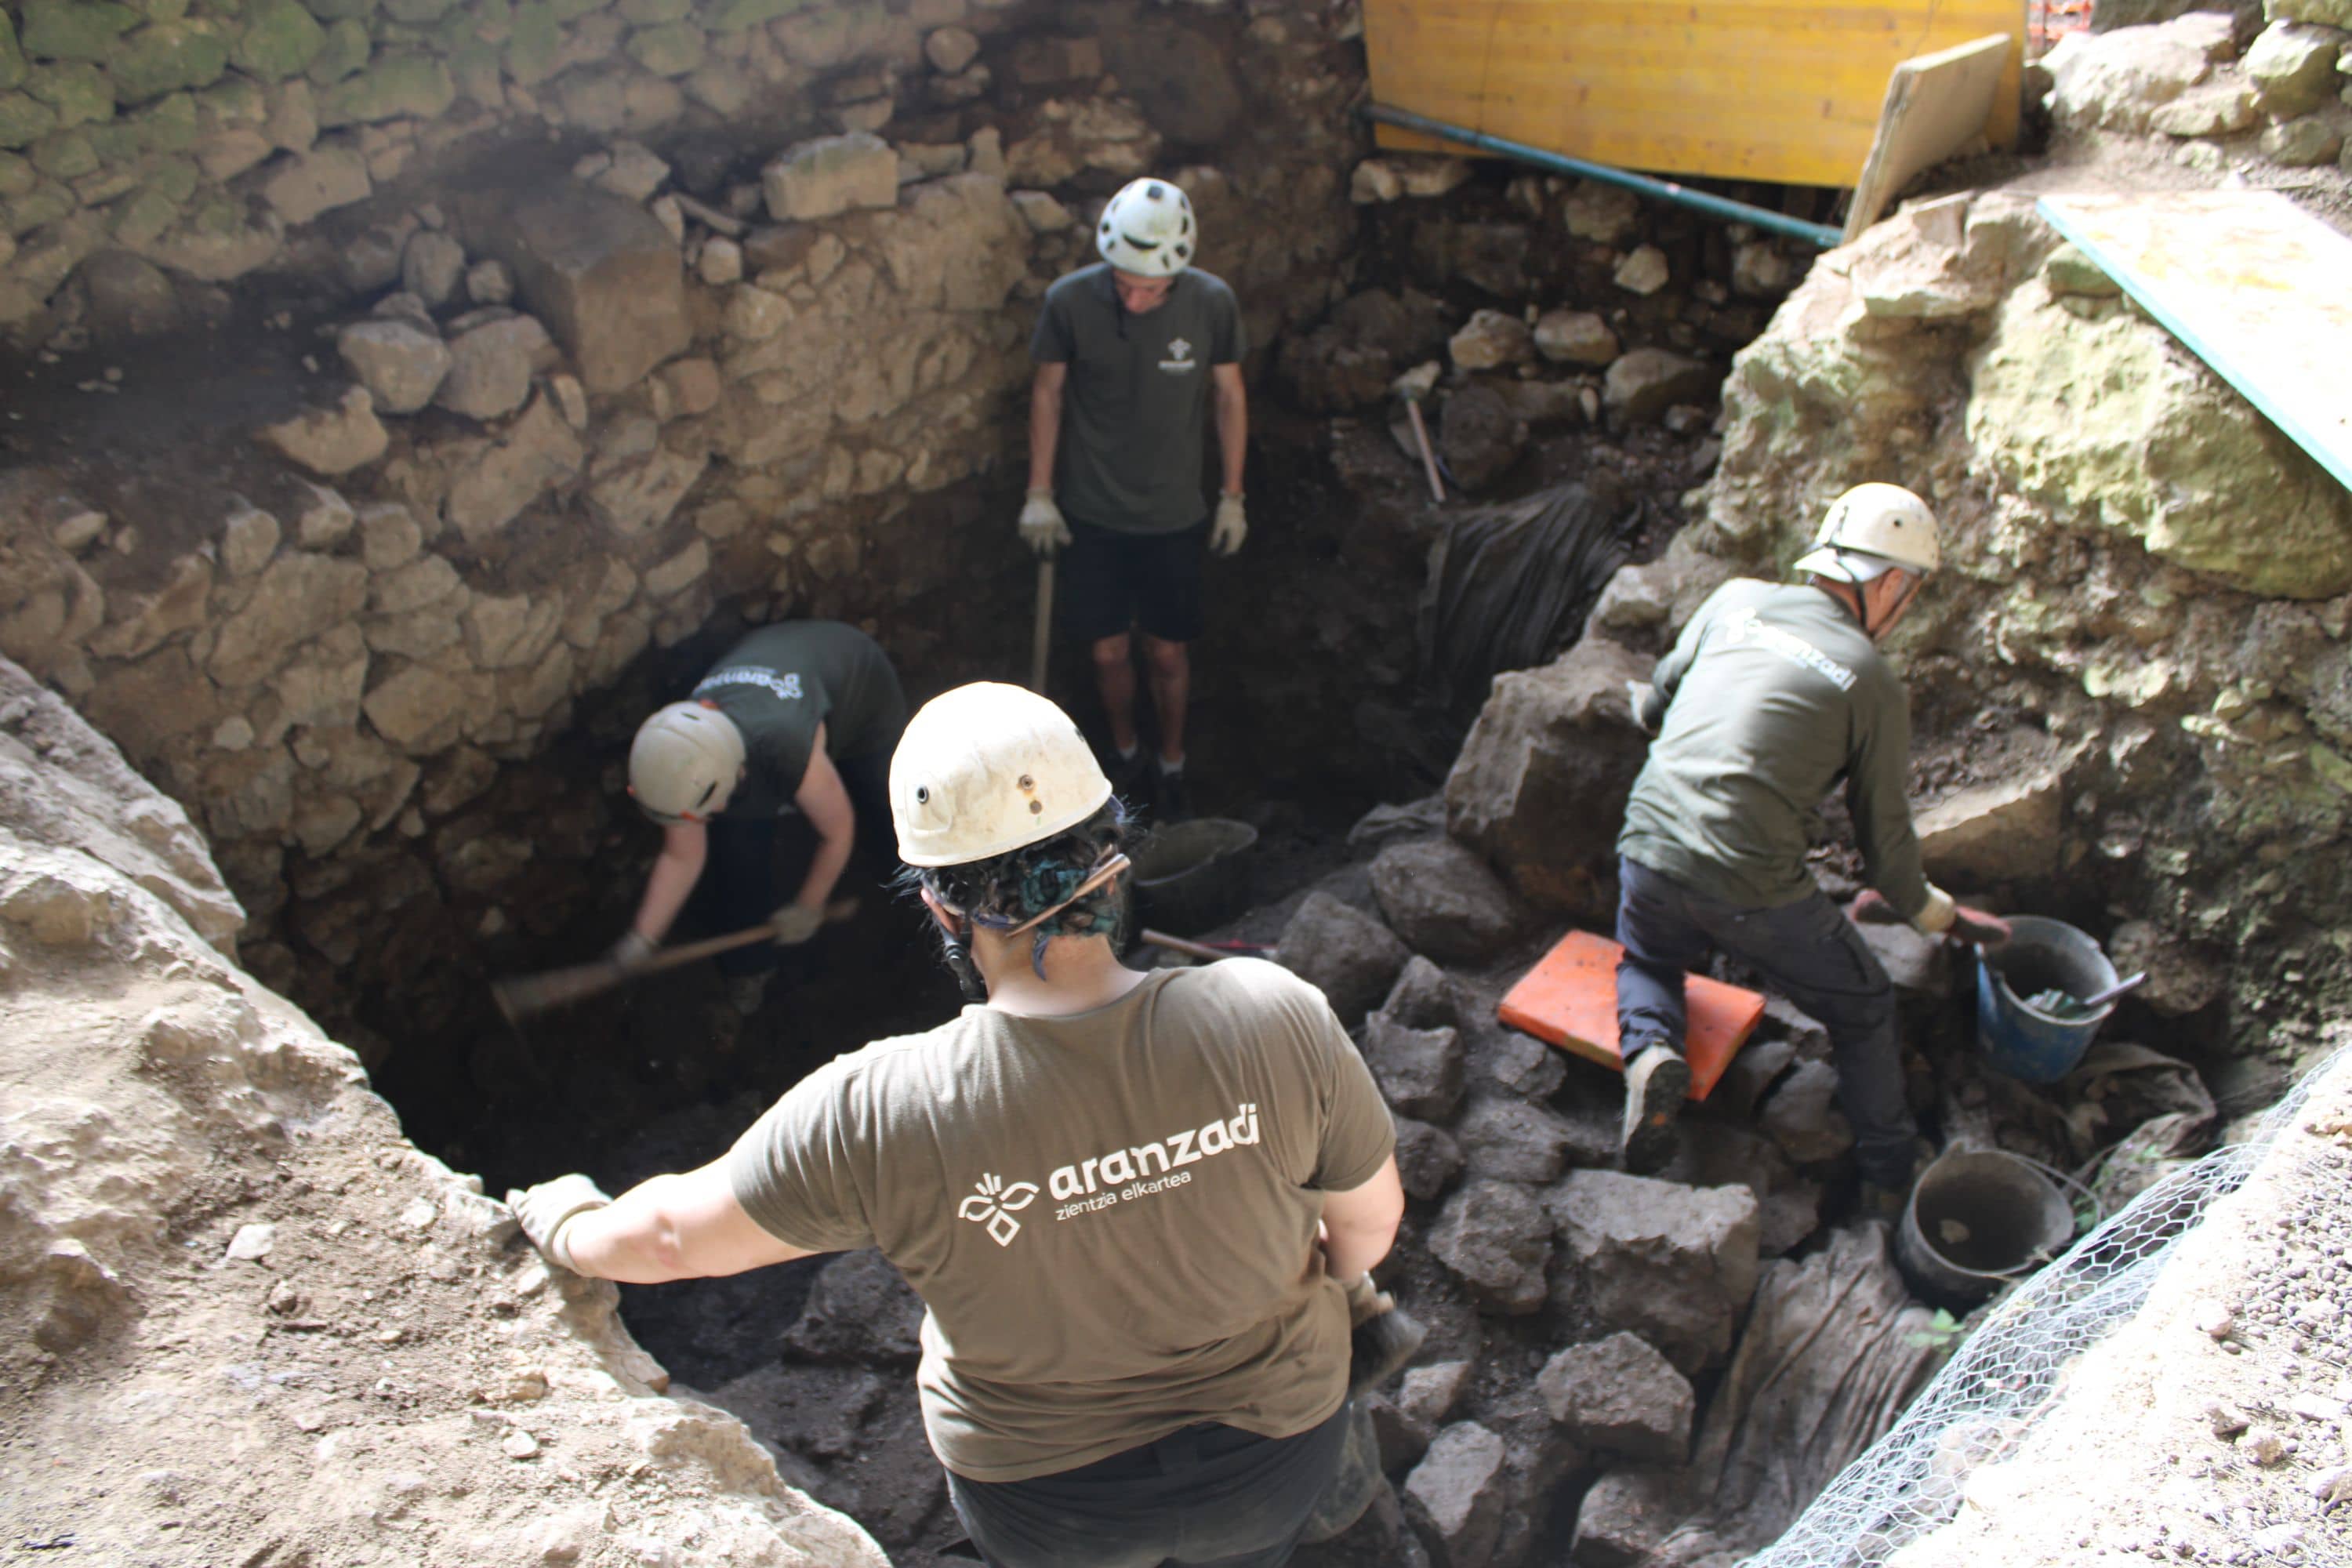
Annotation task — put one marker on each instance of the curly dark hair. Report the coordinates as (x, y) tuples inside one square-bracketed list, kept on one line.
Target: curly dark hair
[(1006, 890)]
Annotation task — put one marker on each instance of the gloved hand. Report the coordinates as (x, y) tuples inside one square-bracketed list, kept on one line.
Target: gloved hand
[(1976, 926), (1871, 908), (1226, 533), (1042, 527), (1638, 694), (795, 924), (1381, 1337), (632, 952), (544, 1210)]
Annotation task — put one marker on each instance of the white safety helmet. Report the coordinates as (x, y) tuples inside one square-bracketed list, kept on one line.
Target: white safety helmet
[(1146, 229), (684, 763), (1871, 528), (985, 769)]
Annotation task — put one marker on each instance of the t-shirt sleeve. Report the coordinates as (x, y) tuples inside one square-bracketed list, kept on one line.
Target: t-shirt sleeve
[(1230, 338), (1051, 341), (795, 1170), (1359, 1133)]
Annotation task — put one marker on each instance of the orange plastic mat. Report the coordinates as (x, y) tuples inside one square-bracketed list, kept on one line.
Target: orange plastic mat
[(1570, 1000)]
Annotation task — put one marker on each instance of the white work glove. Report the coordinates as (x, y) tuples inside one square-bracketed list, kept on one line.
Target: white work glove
[(795, 924), (544, 1210), (1225, 535), (1042, 527), (1638, 694), (632, 952)]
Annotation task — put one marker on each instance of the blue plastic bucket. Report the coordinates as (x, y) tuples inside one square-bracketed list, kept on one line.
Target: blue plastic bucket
[(2024, 1042)]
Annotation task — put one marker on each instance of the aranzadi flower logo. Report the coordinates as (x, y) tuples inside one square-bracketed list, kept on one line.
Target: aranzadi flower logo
[(996, 1206)]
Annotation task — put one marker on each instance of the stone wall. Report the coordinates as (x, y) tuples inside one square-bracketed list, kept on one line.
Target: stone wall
[(574, 402)]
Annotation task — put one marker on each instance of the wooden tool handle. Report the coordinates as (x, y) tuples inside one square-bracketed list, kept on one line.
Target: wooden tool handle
[(1041, 639)]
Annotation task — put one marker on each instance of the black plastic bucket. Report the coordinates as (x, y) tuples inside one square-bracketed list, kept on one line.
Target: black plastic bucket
[(1191, 876), (1977, 1219)]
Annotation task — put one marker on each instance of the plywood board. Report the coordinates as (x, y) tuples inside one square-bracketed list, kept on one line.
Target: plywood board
[(1571, 999), (2250, 283), (1936, 105), (1754, 90)]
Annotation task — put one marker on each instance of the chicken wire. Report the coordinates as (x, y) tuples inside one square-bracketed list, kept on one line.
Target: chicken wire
[(2005, 1375)]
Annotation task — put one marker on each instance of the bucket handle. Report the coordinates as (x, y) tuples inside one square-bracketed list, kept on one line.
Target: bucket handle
[(2099, 1211)]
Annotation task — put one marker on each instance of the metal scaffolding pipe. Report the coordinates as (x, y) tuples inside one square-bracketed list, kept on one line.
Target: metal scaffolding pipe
[(1723, 207)]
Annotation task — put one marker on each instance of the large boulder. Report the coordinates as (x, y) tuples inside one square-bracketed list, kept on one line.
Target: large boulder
[(2006, 830), (1673, 1264), (2293, 68), (1427, 1158), (1443, 900), (2117, 81), (1455, 1496), (602, 273), (1495, 1236), (1343, 952), (1626, 1517), (1419, 1070), (830, 176), (1643, 384), (1540, 787), (2156, 448), (1620, 1395), (1512, 1140)]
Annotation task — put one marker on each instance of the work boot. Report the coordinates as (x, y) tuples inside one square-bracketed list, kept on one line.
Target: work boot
[(1655, 1086), (1131, 777), (1887, 1199), (1171, 804)]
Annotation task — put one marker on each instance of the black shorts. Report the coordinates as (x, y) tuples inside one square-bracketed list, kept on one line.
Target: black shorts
[(1110, 580)]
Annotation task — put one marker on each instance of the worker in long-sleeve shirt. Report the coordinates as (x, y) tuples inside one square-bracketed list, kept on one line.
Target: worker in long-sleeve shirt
[(1774, 692)]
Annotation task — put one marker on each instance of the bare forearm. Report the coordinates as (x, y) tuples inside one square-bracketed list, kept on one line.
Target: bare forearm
[(1045, 433), (825, 871), (633, 1241), (1350, 1252), (667, 889), (1232, 435)]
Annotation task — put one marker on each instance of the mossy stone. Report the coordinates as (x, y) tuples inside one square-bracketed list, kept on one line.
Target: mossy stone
[(103, 184), (475, 68), (65, 155), (280, 39), (78, 91), (170, 124), (17, 177), (394, 87), (654, 12), (23, 120), (572, 10), (491, 21), (234, 100), (167, 57), (12, 55), (45, 202), (416, 12), (333, 11), (344, 53), (735, 15), (670, 50), (532, 46), (172, 10), (141, 220), (75, 29)]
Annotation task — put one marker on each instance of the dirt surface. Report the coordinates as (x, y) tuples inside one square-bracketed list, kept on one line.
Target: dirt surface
[(2211, 1427)]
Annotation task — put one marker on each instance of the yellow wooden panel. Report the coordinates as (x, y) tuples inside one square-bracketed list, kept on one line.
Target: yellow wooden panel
[(1755, 90)]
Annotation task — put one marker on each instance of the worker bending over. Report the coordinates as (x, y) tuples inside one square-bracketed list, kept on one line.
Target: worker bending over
[(1130, 1201), (1773, 693), (798, 718), (1132, 353)]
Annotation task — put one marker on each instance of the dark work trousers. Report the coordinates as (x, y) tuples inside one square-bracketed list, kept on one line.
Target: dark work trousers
[(741, 863), (1809, 951), (1205, 1496)]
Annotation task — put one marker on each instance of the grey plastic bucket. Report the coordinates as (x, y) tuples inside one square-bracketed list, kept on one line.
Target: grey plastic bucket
[(1977, 1219), (1191, 876), (2022, 1041)]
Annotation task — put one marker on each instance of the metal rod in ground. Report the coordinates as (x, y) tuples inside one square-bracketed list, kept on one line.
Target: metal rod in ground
[(1724, 208), (1428, 457)]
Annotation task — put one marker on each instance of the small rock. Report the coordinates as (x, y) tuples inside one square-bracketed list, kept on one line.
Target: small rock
[(1374, 181), (720, 263), (431, 265), (1427, 1158), (1043, 213), (490, 367), (419, 1213), (2212, 1318), (2292, 66), (518, 1443), (333, 440), (252, 1243), (1491, 340), (831, 175), (1495, 1237), (2303, 143), (1575, 337), (1643, 384), (2265, 1448), (1419, 1070), (1804, 1118), (249, 540), (1455, 1496), (1444, 901), (1620, 1395), (1431, 174), (1643, 271), (2224, 1420), (1352, 958), (633, 172), (399, 363), (572, 398), (665, 212), (326, 519), (950, 49), (487, 282)]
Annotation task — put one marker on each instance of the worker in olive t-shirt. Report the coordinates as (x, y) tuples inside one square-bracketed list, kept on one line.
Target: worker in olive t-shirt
[(1771, 695), (1139, 1207), (1134, 354), (798, 718)]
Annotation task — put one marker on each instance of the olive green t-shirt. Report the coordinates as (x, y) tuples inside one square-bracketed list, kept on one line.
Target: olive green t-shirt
[(1110, 1215), (1772, 693)]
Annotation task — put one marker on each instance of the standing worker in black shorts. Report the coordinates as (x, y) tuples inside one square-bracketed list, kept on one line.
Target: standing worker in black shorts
[(1132, 352)]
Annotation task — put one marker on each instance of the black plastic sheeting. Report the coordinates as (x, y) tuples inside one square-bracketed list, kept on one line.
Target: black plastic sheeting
[(1509, 585)]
